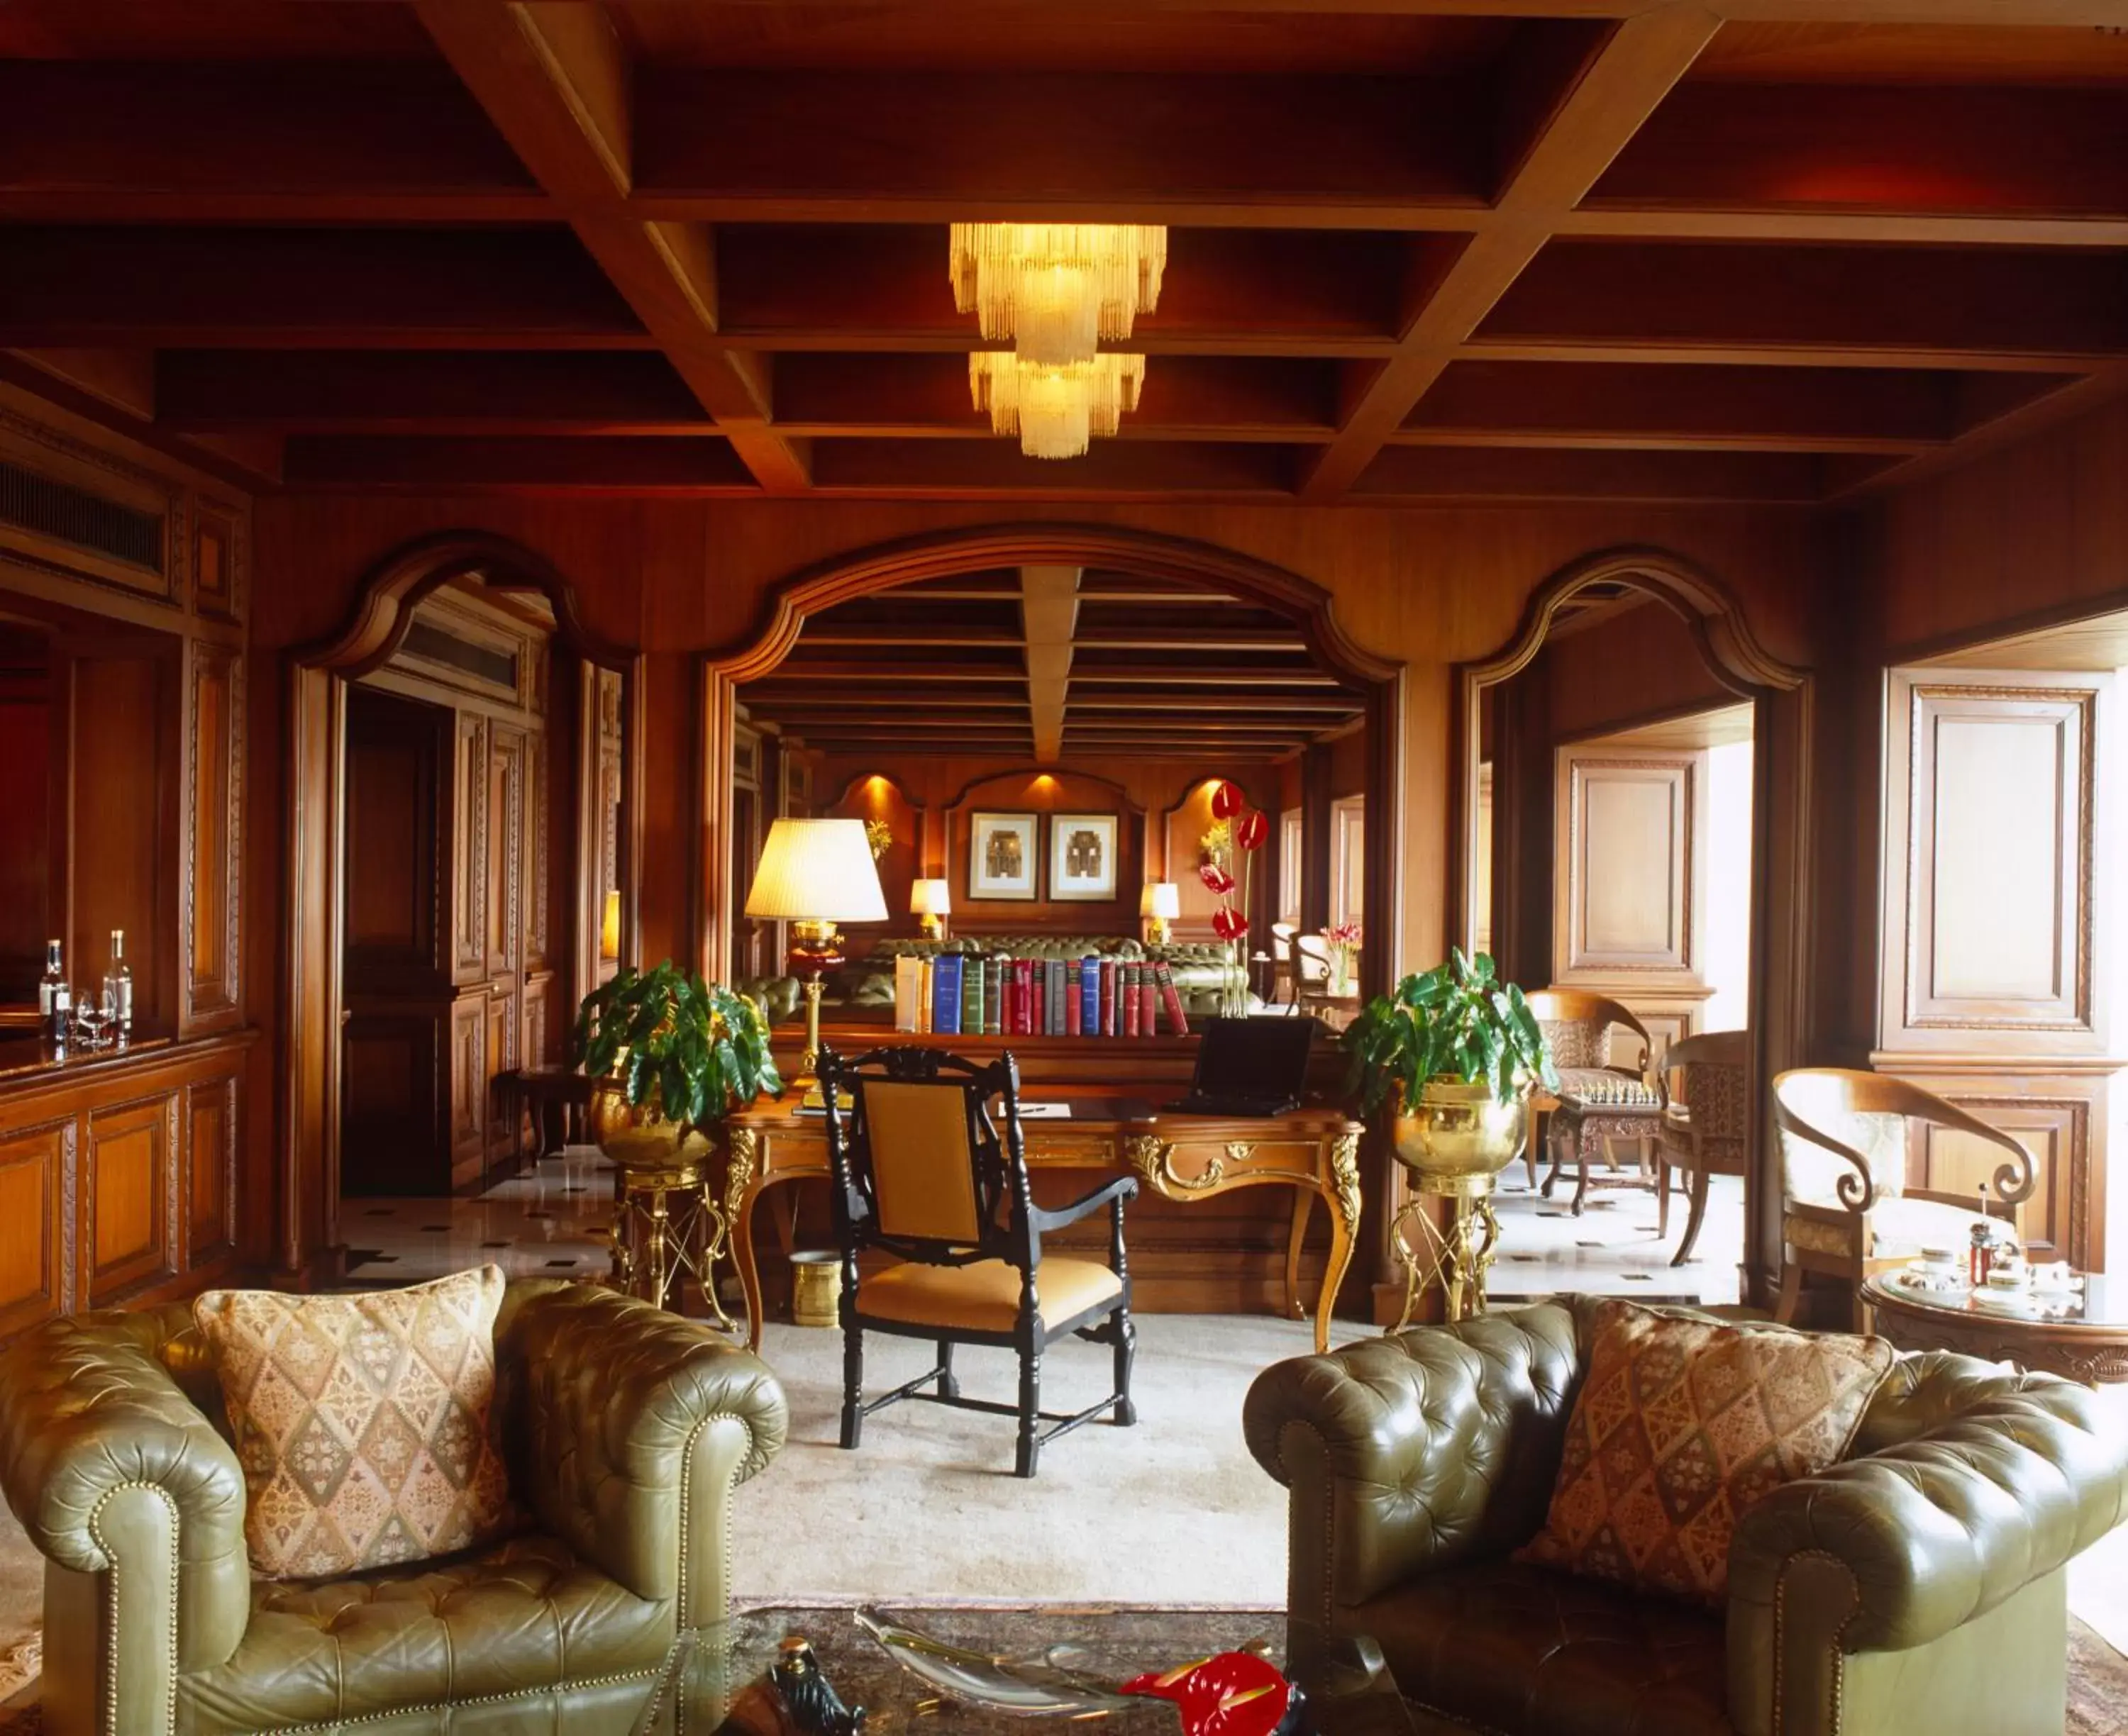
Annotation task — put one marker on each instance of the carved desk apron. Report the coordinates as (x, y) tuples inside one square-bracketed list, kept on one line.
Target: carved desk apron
[(1314, 1151)]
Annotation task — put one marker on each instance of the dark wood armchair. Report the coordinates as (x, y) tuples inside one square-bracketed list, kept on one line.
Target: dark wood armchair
[(1597, 1103), (1706, 1082), (921, 1171)]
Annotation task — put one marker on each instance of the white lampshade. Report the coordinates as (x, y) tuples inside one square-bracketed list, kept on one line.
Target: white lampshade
[(1160, 898), (819, 871), (929, 897)]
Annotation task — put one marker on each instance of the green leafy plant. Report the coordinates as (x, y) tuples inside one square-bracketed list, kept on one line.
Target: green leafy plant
[(1457, 1020), (690, 1050)]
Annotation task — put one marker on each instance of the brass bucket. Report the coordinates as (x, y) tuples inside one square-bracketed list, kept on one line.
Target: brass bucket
[(816, 1283)]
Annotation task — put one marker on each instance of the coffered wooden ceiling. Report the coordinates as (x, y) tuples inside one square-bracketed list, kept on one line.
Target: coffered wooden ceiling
[(1727, 250), (1049, 664)]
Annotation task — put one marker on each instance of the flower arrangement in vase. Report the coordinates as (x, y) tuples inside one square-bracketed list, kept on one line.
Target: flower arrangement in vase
[(1246, 829), (1343, 939)]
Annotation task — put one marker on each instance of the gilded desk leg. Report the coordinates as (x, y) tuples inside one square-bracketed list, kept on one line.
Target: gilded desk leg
[(741, 1190), (1343, 1193), (1303, 1206)]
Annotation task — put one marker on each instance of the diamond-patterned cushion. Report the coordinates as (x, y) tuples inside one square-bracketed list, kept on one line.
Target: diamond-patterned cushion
[(361, 1422), (1680, 1427)]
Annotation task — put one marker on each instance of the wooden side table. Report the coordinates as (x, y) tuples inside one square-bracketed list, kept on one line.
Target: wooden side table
[(2085, 1340)]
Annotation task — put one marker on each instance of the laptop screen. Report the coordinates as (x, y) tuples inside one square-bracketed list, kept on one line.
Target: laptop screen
[(1262, 1057)]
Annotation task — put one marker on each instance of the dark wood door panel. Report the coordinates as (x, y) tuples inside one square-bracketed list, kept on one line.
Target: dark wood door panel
[(392, 1076), (127, 1192), (36, 1181)]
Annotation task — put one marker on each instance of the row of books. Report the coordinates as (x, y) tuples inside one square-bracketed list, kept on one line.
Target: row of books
[(959, 994)]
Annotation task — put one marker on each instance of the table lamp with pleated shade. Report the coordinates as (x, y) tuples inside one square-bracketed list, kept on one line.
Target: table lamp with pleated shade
[(814, 874)]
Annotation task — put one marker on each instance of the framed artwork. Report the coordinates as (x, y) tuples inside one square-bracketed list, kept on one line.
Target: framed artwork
[(1001, 854), (1082, 855)]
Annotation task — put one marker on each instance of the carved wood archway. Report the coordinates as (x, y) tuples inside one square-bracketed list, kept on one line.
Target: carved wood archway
[(1148, 554), (318, 675), (1783, 868)]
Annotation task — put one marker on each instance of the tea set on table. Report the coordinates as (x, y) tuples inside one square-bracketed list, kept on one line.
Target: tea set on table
[(1993, 1272)]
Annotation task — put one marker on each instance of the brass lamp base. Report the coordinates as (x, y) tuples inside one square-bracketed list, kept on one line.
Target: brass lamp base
[(931, 927), (809, 1060), (1158, 931), (815, 947)]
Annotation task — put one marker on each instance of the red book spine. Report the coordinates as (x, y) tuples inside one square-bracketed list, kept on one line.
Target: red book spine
[(1023, 978), (1171, 998), (1148, 994), (1074, 994), (1130, 999), (1107, 997)]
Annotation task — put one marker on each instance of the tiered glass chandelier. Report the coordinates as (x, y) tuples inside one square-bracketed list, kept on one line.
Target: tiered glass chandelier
[(1056, 292), (1057, 289), (1054, 411)]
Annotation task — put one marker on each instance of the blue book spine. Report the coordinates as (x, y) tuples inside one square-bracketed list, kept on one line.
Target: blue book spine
[(946, 994), (1090, 996)]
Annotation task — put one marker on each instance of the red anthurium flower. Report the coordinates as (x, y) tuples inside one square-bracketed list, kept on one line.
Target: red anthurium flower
[(1234, 1694), (1226, 802), (1216, 878), (1229, 923), (1252, 829)]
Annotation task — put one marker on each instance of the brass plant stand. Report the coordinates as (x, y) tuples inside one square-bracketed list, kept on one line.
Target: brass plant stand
[(666, 1226), (1458, 1258)]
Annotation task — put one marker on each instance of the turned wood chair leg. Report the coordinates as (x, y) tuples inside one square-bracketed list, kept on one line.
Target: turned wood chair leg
[(1030, 1408), (1126, 1353), (853, 1379), (948, 1387), (1662, 1197), (1581, 1167), (1695, 1215)]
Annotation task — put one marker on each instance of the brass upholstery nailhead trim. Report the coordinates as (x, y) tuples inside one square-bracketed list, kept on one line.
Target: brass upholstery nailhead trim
[(477, 1699), (1781, 1637), (108, 1692)]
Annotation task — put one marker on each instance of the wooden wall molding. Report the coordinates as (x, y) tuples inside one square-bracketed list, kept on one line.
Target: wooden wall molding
[(1783, 871), (313, 995)]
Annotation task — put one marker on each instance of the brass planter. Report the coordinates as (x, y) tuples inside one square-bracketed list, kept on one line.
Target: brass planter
[(663, 1227), (1460, 1131)]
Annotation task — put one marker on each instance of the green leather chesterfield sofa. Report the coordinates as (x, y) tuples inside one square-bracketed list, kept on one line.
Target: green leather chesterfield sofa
[(626, 1429), (1917, 1588)]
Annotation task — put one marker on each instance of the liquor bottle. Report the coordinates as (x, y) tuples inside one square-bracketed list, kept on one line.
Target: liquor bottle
[(55, 997), (118, 988)]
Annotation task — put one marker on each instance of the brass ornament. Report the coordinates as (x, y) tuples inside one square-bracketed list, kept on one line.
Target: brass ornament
[(1345, 1173)]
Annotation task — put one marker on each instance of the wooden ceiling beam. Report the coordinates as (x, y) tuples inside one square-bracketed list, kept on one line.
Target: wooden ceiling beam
[(1410, 473), (1604, 102), (975, 469), (620, 465), (1049, 618), (556, 81)]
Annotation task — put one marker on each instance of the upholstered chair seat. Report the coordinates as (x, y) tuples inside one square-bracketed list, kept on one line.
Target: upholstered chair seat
[(984, 1296)]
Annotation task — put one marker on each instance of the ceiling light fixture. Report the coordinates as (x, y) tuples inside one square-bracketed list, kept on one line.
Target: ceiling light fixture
[(1056, 290), (1054, 410)]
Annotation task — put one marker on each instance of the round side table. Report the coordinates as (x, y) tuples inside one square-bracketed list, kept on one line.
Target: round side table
[(2083, 1338)]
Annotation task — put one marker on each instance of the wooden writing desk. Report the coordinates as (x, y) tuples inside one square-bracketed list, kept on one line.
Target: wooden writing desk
[(1184, 1157)]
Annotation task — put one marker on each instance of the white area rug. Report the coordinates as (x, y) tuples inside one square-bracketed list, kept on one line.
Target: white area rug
[(1172, 1511)]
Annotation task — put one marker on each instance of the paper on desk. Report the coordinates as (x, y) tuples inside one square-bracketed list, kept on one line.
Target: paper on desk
[(1045, 1111)]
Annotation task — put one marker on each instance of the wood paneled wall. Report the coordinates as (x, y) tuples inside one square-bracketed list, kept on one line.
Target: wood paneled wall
[(124, 748)]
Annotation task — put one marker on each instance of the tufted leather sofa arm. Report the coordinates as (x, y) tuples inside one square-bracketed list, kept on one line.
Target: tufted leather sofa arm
[(628, 1427), (1415, 1452), (111, 1467), (1975, 1484)]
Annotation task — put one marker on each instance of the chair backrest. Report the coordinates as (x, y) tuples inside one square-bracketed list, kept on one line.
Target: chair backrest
[(1578, 1026), (1281, 941), (1710, 1074), (1311, 958), (920, 1165), (1843, 1136)]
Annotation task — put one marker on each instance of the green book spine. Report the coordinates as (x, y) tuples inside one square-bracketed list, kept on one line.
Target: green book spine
[(972, 997), (993, 993)]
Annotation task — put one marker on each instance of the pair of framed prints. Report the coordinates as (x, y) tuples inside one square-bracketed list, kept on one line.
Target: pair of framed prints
[(1005, 857)]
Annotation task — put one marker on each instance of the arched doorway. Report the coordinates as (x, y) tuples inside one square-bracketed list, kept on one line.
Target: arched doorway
[(1782, 869), (321, 677)]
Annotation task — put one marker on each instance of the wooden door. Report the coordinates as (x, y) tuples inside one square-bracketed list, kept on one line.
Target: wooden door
[(507, 862), (396, 968), (1991, 986)]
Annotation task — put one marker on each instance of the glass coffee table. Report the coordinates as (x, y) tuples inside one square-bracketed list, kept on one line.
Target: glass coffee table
[(2081, 1337)]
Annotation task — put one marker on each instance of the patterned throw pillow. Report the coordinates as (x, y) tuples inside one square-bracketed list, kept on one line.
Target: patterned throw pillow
[(1680, 1427), (361, 1422)]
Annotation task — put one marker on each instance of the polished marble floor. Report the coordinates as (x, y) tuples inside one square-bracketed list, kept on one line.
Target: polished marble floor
[(554, 1222)]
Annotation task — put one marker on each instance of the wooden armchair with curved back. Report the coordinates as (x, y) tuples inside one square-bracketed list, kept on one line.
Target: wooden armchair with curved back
[(1706, 1130), (1846, 1211), (1596, 1102)]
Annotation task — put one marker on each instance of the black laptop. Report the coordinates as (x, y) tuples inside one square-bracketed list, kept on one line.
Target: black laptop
[(1249, 1066)]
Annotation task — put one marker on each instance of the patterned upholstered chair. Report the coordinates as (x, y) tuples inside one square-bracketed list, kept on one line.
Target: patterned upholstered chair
[(1597, 1103), (1706, 1087), (1846, 1211)]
